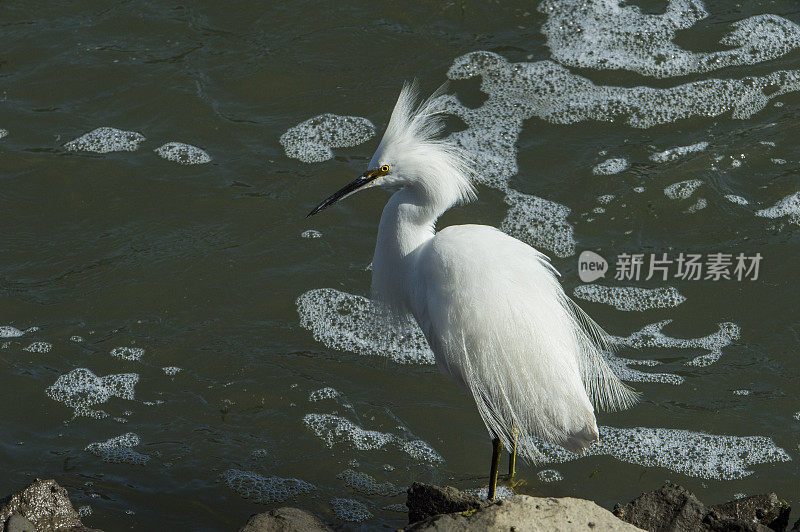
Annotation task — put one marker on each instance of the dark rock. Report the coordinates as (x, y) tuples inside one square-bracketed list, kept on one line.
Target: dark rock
[(669, 508), (45, 505), (284, 520), (674, 509), (766, 509), (425, 501)]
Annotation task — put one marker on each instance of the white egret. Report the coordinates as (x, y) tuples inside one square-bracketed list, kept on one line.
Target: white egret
[(490, 306)]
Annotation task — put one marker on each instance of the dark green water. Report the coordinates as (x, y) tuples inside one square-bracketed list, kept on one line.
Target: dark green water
[(201, 265)]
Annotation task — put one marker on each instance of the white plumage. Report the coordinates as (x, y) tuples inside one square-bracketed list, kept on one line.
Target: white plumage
[(490, 306)]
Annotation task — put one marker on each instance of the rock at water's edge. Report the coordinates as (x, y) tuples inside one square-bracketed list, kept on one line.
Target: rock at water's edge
[(673, 508), (766, 509), (534, 514), (285, 520), (426, 501), (17, 523), (43, 505)]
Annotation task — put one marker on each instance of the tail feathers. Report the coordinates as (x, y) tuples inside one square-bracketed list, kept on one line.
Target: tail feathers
[(605, 389), (499, 398), (517, 425), (582, 439)]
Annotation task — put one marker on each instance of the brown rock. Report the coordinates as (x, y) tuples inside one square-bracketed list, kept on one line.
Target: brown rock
[(17, 523), (531, 514), (44, 504), (285, 520)]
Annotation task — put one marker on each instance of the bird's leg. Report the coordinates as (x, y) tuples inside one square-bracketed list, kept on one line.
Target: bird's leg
[(512, 461), (497, 450)]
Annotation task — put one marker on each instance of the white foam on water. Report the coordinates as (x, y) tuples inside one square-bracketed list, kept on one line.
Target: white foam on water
[(181, 153), (797, 415), (547, 90), (605, 199), (738, 200), (76, 339), (704, 360), (788, 206), (682, 189), (769, 143), (611, 166), (3, 133), (539, 222), (119, 450), (84, 511), (652, 336), (106, 140), (778, 161), (630, 298), (741, 392), (695, 454), (7, 331), (422, 451), (350, 510), (353, 323), (264, 490), (323, 393), (399, 508), (311, 141), (622, 368), (366, 485), (39, 347), (333, 430), (549, 475), (80, 389), (699, 205), (171, 370), (127, 353), (502, 492), (311, 233), (262, 454), (610, 34), (679, 151)]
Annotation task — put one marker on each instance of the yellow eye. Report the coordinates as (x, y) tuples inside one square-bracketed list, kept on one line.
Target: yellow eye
[(385, 168)]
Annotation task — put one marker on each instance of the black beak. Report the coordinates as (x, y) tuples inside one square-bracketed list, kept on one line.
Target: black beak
[(345, 191)]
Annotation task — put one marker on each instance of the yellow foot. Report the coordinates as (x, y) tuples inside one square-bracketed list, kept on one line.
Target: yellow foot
[(519, 483)]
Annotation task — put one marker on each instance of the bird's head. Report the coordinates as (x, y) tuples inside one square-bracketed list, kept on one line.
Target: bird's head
[(410, 154)]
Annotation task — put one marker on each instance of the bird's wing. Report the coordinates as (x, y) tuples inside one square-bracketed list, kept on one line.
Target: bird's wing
[(500, 324)]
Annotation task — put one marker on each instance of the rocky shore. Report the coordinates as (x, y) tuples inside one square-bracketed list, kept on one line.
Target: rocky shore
[(44, 506)]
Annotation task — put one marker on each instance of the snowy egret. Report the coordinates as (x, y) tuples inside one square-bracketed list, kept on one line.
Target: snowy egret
[(490, 306)]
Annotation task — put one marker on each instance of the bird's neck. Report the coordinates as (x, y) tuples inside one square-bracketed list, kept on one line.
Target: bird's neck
[(407, 222)]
